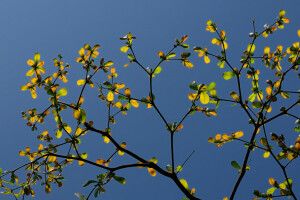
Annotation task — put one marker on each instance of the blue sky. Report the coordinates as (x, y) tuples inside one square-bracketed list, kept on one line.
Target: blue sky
[(63, 27)]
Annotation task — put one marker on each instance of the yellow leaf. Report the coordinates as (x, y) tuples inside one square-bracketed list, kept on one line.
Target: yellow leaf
[(30, 72), (214, 40), (106, 139), (134, 103), (265, 34), (68, 129), (266, 154), (299, 32), (33, 94), (225, 45), (119, 105), (161, 54), (180, 126), (193, 191), (110, 96), (184, 183), (77, 114), (120, 86), (152, 171), (285, 20), (272, 181), (188, 64), (222, 34), (80, 162), (78, 132), (81, 52), (80, 82), (281, 13), (100, 161), (124, 49), (112, 70), (40, 148), (121, 153), (213, 112), (269, 90), (22, 153), (206, 59), (51, 159), (267, 50), (30, 62), (192, 96), (127, 92), (225, 198), (47, 189), (226, 137), (140, 163), (204, 98)]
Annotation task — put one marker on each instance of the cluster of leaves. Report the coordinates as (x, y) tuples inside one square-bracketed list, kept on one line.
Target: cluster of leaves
[(48, 162)]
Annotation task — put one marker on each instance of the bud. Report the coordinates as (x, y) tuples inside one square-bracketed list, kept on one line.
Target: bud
[(266, 26), (269, 82), (251, 34), (297, 121), (250, 121)]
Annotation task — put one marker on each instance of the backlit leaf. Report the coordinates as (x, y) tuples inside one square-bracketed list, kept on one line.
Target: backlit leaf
[(124, 49), (62, 92), (204, 98), (110, 96), (184, 183), (152, 172), (228, 75)]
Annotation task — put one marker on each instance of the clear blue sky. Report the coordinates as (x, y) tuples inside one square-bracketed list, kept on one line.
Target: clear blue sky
[(62, 27)]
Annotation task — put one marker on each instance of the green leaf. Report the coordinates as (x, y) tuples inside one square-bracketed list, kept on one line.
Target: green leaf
[(178, 168), (62, 92), (193, 85), (228, 75), (0, 172), (84, 155), (185, 46), (120, 179), (256, 104), (264, 142), (122, 98), (288, 181), (252, 97), (235, 165), (257, 193), (87, 47), (89, 182), (169, 168), (271, 190), (37, 57), (107, 84), (81, 196), (157, 70), (154, 160), (297, 129), (211, 86), (83, 116), (130, 56)]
